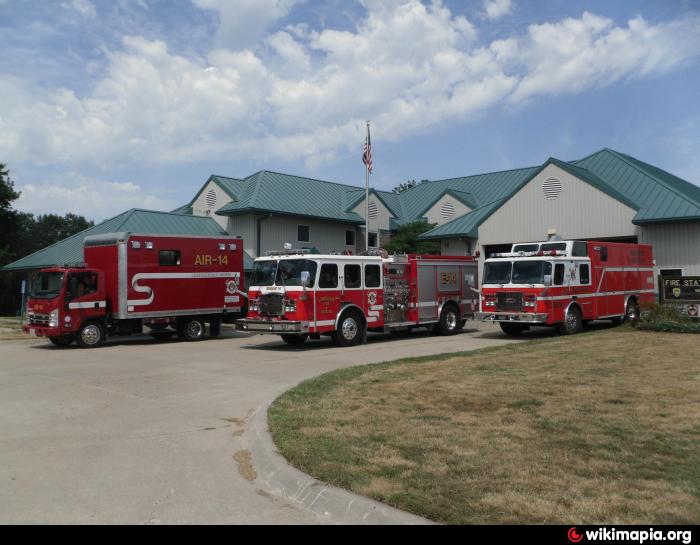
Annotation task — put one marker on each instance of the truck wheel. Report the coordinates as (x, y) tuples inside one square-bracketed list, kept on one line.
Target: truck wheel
[(450, 321), (632, 310), (572, 322), (294, 339), (513, 329), (190, 329), (351, 329), (91, 334), (61, 341)]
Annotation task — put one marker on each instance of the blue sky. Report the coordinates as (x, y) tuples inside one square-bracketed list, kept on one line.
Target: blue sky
[(108, 105)]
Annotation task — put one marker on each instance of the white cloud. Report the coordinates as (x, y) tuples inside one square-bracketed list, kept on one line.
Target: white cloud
[(84, 7), (495, 9), (407, 66), (241, 22), (86, 196)]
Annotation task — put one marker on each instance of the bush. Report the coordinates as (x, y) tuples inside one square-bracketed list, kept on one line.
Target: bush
[(665, 317)]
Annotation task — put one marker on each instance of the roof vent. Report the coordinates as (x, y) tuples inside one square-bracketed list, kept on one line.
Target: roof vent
[(372, 210), (211, 198), (447, 210), (551, 188)]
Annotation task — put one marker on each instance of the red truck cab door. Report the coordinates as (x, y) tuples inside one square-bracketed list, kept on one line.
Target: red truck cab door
[(85, 297)]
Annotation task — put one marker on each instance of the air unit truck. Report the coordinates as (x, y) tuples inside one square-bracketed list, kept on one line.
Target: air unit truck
[(171, 284), (566, 284), (298, 295)]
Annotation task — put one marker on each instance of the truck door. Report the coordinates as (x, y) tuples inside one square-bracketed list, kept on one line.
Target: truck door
[(327, 300), (85, 296)]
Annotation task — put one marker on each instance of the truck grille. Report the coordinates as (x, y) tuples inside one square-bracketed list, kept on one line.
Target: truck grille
[(39, 319), (511, 301), (271, 304)]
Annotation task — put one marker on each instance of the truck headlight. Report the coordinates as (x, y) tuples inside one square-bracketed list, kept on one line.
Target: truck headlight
[(53, 318)]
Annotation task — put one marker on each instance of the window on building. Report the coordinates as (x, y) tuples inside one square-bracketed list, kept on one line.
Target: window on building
[(559, 274), (352, 276), (584, 274), (372, 242), (580, 249), (349, 238), (303, 233), (329, 276), (373, 277), (671, 272), (169, 258)]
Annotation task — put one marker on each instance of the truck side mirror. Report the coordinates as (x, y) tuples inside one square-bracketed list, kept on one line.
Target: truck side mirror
[(547, 279)]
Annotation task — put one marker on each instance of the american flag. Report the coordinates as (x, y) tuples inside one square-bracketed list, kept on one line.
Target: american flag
[(367, 154)]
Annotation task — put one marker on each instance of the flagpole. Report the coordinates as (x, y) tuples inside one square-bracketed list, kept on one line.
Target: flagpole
[(367, 196)]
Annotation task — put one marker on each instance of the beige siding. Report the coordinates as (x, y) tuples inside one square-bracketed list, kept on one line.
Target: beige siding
[(243, 226), (434, 214), (454, 246), (326, 236), (580, 211), (675, 245), (381, 222), (201, 208)]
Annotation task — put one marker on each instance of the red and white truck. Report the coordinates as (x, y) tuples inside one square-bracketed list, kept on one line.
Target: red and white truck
[(566, 284), (172, 284), (296, 295)]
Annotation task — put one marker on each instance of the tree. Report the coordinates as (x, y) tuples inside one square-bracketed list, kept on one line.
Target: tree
[(8, 218), (406, 186), (406, 239)]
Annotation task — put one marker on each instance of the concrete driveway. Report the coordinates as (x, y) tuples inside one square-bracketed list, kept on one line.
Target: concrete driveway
[(146, 432)]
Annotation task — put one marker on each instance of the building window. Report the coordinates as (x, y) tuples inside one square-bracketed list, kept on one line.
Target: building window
[(303, 233), (169, 258), (671, 272), (349, 238), (329, 276), (352, 276), (373, 277), (372, 242)]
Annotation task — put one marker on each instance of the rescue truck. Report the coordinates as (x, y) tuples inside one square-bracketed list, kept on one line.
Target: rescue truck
[(566, 284), (298, 295), (171, 284)]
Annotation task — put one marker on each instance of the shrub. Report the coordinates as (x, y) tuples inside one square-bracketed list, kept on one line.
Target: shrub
[(665, 317)]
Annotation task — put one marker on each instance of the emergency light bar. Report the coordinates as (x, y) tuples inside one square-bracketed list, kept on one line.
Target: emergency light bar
[(541, 253), (288, 252)]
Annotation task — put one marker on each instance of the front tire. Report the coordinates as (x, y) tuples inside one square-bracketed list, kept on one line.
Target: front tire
[(191, 329), (91, 335), (450, 321), (632, 310), (350, 331), (295, 339), (572, 322)]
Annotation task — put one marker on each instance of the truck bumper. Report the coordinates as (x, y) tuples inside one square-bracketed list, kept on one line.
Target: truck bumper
[(274, 327), (42, 330), (518, 317)]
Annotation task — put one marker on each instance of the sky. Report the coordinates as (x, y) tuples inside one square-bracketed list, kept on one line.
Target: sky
[(115, 104)]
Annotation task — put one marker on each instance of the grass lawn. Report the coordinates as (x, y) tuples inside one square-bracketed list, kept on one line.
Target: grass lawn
[(11, 328), (596, 428)]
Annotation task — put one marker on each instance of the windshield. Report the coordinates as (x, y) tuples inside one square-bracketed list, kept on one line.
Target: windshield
[(497, 272), (286, 272), (531, 272), (45, 285)]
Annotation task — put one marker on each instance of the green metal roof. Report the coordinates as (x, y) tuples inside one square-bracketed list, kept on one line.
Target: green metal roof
[(70, 250), (464, 226), (184, 209), (274, 192)]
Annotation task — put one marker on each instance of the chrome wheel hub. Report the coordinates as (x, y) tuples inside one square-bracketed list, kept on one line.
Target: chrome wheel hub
[(451, 320), (195, 329), (571, 320), (91, 334), (349, 329)]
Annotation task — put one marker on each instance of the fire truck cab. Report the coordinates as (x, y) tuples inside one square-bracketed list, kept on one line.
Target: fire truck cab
[(297, 295), (565, 284)]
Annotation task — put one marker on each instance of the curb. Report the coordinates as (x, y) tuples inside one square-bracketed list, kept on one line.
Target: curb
[(330, 504)]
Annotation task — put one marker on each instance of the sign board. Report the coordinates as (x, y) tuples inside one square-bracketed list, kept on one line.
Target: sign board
[(24, 287), (681, 289)]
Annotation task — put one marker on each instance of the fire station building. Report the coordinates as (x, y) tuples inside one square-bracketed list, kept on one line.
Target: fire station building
[(607, 195)]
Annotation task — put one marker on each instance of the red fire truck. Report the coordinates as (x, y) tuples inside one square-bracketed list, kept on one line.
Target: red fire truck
[(172, 284), (296, 295), (566, 284)]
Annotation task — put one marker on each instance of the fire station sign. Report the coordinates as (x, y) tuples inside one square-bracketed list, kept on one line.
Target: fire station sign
[(684, 290)]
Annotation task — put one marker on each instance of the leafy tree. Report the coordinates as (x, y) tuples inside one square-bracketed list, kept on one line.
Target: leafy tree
[(8, 218), (407, 185), (406, 239)]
